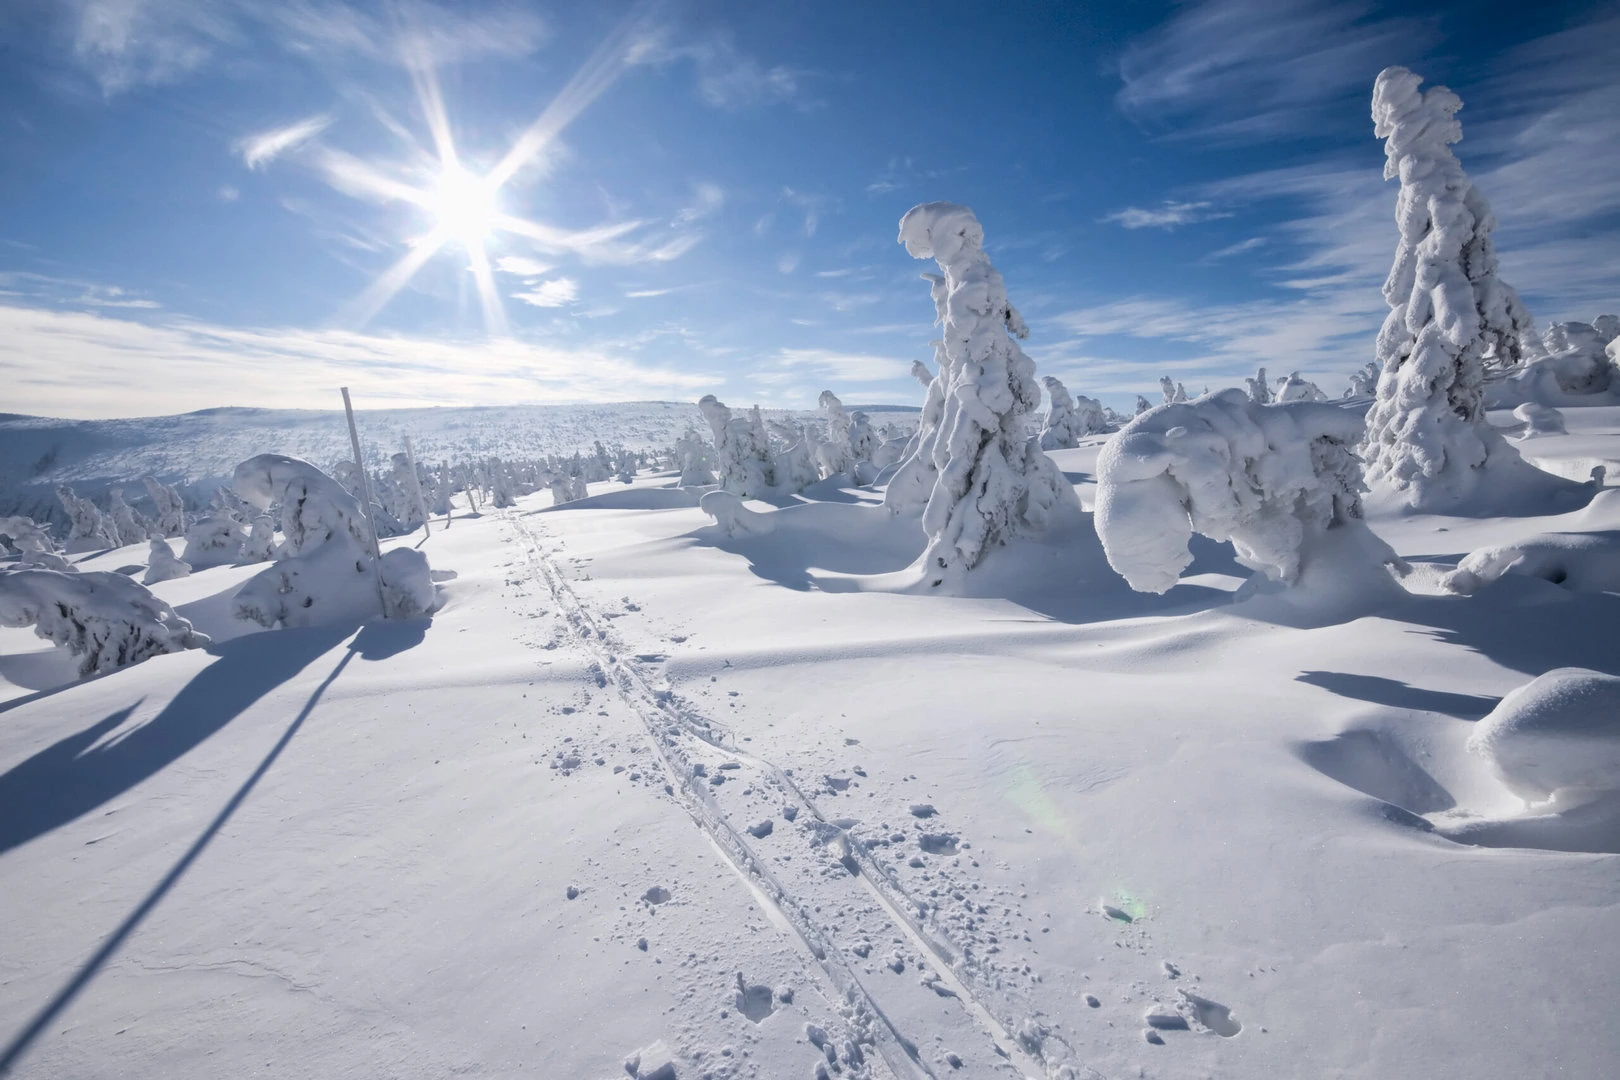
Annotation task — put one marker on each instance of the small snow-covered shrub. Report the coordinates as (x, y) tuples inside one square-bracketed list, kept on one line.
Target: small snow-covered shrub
[(1293, 388), (1272, 479), (25, 534), (989, 480), (1556, 737), (1450, 315), (107, 620), (213, 541), (733, 518), (260, 544), (161, 565), (1581, 562), (1538, 419)]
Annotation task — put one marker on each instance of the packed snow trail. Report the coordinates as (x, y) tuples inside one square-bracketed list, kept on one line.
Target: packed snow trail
[(945, 973)]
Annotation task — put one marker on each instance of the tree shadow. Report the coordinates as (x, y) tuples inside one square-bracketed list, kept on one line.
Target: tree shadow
[(1395, 694), (80, 772)]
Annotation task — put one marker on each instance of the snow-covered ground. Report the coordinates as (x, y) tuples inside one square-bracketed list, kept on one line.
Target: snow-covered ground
[(643, 788)]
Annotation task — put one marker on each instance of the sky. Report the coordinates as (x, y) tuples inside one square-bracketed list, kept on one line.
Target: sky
[(227, 202)]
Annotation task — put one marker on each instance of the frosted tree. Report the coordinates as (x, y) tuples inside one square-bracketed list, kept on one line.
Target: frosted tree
[(913, 481), (990, 480), (1281, 482), (1450, 315), (324, 569), (742, 450), (1576, 358), (213, 540), (130, 526), (920, 372), (25, 534), (168, 509), (1259, 388), (161, 565), (1060, 431), (797, 458), (864, 444), (261, 540), (88, 528), (1293, 388), (1172, 390), (1142, 405), (1363, 383), (502, 490), (834, 454), (692, 454), (107, 620)]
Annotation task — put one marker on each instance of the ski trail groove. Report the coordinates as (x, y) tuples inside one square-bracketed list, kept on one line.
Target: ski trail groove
[(664, 720)]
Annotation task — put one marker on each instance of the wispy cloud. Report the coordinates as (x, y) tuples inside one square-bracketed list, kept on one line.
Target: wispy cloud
[(558, 292), (1168, 216), (411, 31), (1251, 244), (127, 43), (117, 367), (1248, 70), (829, 367), (521, 266), (260, 150), (706, 199)]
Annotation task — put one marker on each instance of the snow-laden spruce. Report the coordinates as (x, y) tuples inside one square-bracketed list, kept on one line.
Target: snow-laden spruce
[(161, 565), (834, 454), (324, 570), (88, 528), (989, 480), (168, 508), (692, 453), (127, 525), (1259, 388), (742, 449), (1275, 480), (1293, 388), (1069, 419), (107, 620), (1450, 315)]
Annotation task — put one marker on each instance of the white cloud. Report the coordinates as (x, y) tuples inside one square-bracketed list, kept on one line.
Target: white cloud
[(787, 262), (88, 365), (260, 150), (227, 193), (558, 292), (438, 35), (521, 266), (1246, 70), (1168, 216), (726, 79), (707, 198), (128, 43), (1238, 248), (829, 367)]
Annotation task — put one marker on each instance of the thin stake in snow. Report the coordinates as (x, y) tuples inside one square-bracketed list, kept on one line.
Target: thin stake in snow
[(365, 496)]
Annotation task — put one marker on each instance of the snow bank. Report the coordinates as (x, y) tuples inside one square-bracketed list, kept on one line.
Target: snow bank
[(733, 518), (1450, 315), (107, 620), (989, 481), (1272, 479), (1581, 562), (1556, 737)]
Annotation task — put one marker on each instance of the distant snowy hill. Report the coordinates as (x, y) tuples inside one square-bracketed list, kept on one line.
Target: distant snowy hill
[(199, 449)]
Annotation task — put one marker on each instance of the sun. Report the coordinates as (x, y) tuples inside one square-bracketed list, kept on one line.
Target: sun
[(464, 207)]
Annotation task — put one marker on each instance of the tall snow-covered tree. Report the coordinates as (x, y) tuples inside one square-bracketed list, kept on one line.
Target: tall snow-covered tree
[(168, 509), (1450, 315), (1259, 388), (742, 449), (130, 526), (1069, 419), (834, 454), (990, 480), (88, 528)]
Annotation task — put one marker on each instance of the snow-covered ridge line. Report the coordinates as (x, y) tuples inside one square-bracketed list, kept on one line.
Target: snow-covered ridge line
[(663, 717)]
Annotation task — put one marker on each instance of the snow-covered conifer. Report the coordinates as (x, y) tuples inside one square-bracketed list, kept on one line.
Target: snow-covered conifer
[(1172, 390), (106, 619), (88, 528), (742, 450), (168, 508), (129, 526), (161, 565), (1363, 383), (920, 372), (1259, 388), (1449, 314), (692, 454), (990, 480), (835, 453), (260, 544), (1293, 388), (213, 540), (1142, 405), (863, 448), (25, 534), (1272, 479), (1068, 418)]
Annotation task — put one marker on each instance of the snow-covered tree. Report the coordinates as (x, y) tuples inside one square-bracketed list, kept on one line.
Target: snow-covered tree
[(88, 528), (990, 480), (742, 450), (1576, 359), (1069, 419), (213, 540), (1450, 315), (1172, 390), (169, 510), (863, 447), (260, 545), (692, 454), (130, 527), (1142, 405), (834, 454), (106, 619), (161, 565), (1275, 480), (502, 490), (1259, 388), (1293, 388), (1363, 383), (324, 569), (25, 534)]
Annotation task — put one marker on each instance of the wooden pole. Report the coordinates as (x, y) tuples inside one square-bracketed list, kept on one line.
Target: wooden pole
[(365, 502), (416, 486)]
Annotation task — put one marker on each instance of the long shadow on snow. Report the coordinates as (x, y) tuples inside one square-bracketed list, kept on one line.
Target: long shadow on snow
[(77, 774), (1398, 695)]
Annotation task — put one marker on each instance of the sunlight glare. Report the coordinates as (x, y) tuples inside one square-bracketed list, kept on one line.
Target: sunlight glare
[(463, 206)]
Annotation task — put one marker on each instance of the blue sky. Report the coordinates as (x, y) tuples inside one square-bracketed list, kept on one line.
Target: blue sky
[(201, 201)]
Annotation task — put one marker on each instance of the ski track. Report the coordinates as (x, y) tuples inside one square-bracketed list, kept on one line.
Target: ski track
[(845, 875)]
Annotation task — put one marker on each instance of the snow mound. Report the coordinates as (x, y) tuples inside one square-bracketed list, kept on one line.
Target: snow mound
[(1272, 479), (1556, 737), (733, 518), (1537, 419), (1580, 562), (161, 565), (106, 619)]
